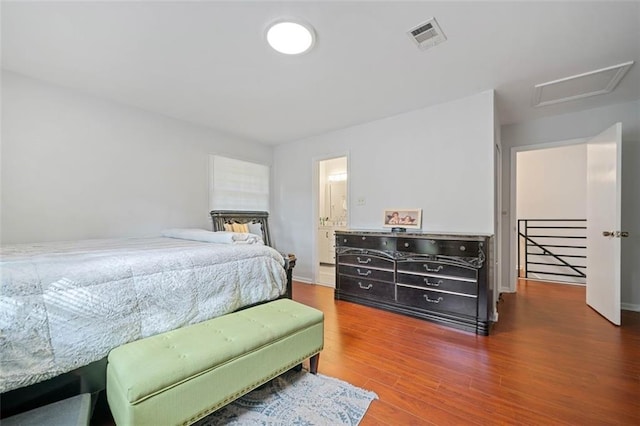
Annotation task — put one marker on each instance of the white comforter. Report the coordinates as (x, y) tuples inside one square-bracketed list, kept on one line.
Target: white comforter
[(65, 305)]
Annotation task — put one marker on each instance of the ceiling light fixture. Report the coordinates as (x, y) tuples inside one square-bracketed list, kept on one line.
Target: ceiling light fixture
[(338, 177), (290, 38)]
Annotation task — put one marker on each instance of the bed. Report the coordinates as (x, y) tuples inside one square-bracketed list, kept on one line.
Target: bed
[(257, 222), (65, 305)]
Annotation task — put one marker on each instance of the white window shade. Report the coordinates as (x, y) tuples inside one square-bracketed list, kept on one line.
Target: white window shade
[(237, 185)]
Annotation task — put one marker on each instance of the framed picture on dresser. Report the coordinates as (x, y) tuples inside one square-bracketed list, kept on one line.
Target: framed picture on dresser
[(403, 218)]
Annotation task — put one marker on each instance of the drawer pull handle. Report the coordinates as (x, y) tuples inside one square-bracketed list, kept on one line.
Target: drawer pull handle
[(438, 269), (364, 238), (367, 287), (363, 274), (406, 244), (426, 281), (363, 261), (438, 300)]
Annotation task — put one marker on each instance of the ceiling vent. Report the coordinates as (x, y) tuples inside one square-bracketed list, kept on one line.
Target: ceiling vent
[(427, 34), (579, 86)]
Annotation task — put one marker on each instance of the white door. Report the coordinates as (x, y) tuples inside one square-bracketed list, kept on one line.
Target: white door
[(604, 155)]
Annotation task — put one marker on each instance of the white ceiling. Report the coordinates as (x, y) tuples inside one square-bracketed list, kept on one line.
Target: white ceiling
[(208, 62)]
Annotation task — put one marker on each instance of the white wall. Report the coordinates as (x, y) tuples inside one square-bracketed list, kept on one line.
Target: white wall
[(578, 125), (439, 159), (552, 183), (75, 166)]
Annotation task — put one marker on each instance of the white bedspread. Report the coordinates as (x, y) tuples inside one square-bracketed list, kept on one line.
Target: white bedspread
[(64, 305)]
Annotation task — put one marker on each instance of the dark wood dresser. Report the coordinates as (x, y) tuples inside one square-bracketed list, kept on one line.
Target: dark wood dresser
[(443, 278)]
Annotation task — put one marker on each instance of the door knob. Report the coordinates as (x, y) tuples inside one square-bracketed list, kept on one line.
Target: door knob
[(617, 234)]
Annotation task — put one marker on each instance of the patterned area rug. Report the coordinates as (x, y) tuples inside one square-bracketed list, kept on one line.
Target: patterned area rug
[(296, 398)]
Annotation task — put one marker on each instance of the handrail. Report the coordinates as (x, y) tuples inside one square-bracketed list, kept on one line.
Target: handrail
[(548, 253), (562, 260)]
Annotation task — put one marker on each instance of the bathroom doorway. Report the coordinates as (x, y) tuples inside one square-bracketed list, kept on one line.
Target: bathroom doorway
[(332, 214)]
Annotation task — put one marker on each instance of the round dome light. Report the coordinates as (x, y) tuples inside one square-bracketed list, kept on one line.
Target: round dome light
[(290, 38)]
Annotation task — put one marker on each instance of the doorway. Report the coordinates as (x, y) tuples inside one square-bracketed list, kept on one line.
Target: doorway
[(551, 204), (602, 216), (332, 214), (514, 263)]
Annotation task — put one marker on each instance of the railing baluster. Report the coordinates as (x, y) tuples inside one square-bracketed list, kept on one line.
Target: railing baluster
[(530, 241), (519, 254)]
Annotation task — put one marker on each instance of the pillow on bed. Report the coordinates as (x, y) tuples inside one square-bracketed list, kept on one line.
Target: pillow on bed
[(212, 237), (239, 227), (195, 234), (255, 228)]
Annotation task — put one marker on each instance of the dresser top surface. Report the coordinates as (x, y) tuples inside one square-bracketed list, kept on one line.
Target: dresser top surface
[(415, 234)]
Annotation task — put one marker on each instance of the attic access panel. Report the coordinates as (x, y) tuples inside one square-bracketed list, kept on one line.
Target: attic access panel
[(579, 86)]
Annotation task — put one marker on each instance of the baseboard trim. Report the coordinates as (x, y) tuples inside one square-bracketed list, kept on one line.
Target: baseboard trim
[(302, 279), (630, 307), (325, 285)]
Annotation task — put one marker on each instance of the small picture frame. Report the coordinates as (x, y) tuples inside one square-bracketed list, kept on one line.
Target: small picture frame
[(402, 218)]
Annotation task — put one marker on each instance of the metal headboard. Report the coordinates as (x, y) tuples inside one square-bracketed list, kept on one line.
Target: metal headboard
[(220, 217)]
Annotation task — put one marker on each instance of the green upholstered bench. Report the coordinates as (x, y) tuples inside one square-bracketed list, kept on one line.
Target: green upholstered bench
[(183, 375)]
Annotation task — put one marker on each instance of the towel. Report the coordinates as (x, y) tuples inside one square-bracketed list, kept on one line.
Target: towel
[(221, 237)]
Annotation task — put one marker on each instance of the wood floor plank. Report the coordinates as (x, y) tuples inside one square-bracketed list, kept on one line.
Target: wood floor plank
[(550, 360), (383, 413), (419, 406)]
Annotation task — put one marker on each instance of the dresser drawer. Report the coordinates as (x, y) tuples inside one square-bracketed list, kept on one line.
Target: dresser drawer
[(368, 289), (373, 242), (368, 273), (438, 247), (437, 301), (437, 268), (366, 260), (439, 283)]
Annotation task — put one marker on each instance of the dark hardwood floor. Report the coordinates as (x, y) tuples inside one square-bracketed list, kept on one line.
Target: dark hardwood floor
[(549, 360)]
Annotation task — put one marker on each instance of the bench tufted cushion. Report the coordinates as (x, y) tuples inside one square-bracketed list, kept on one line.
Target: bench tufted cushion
[(263, 337)]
